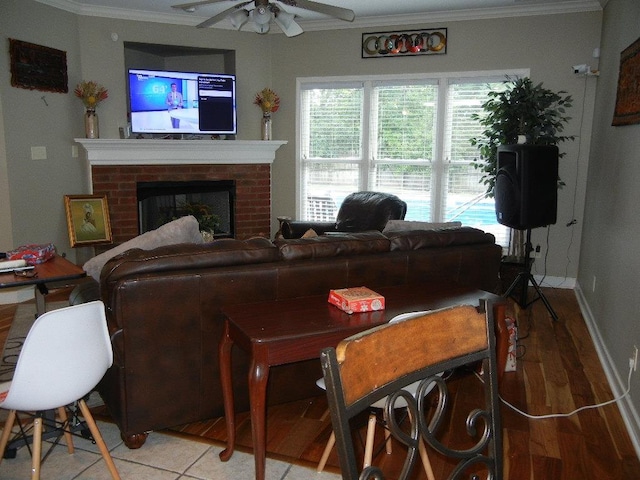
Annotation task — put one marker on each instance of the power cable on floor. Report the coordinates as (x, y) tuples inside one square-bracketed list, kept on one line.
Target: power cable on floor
[(577, 410)]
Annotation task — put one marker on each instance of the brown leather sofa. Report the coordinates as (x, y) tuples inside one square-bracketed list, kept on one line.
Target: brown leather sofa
[(164, 310)]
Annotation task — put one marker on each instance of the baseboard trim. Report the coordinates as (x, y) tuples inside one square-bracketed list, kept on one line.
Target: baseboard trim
[(555, 282), (617, 383)]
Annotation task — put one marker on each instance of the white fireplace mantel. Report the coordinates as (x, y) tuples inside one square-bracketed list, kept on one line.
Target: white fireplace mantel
[(175, 152)]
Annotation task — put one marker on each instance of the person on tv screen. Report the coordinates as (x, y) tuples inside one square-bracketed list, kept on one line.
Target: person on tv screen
[(174, 101)]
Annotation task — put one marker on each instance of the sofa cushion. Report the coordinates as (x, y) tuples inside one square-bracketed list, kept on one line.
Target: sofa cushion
[(182, 230), (416, 240), (333, 245), (402, 225)]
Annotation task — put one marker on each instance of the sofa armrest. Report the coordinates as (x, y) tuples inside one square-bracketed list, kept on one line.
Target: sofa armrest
[(297, 228)]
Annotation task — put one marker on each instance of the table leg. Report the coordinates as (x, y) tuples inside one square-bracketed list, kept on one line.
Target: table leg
[(258, 377), (224, 356), (41, 291)]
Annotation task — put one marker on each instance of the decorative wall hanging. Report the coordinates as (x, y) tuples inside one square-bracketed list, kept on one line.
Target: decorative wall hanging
[(87, 219), (400, 44), (35, 67), (627, 111)]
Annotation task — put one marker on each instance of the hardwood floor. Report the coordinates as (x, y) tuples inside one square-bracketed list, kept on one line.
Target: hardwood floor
[(558, 370)]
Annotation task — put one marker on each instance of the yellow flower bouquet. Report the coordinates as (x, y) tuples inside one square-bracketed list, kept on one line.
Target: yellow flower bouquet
[(267, 100), (91, 93)]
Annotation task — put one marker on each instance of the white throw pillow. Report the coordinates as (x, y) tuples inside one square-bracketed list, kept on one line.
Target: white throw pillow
[(402, 225), (183, 230)]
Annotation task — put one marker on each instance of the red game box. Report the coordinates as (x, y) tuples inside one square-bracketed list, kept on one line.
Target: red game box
[(356, 299), (33, 254)]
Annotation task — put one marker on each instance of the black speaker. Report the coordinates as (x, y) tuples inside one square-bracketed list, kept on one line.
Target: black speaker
[(526, 190)]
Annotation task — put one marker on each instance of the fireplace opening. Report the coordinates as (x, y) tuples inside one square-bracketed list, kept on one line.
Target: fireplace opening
[(211, 202)]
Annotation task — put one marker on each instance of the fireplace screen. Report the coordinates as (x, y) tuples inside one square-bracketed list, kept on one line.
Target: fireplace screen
[(210, 202)]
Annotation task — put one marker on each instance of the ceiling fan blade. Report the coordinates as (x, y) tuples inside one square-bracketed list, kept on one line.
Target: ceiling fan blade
[(337, 12), (287, 24), (186, 6), (220, 16)]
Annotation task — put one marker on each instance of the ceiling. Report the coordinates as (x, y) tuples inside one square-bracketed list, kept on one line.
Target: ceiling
[(368, 12)]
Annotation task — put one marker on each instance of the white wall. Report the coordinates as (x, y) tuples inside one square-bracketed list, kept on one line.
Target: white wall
[(612, 224), (35, 118)]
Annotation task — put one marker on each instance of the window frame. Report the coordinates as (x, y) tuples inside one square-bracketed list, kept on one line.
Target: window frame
[(368, 83)]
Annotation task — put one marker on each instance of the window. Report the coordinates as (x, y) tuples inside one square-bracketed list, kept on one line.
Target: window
[(407, 135)]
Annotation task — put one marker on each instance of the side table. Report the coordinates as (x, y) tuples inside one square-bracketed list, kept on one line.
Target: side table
[(57, 269), (287, 331)]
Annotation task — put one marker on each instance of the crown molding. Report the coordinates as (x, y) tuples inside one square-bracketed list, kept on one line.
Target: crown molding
[(519, 9)]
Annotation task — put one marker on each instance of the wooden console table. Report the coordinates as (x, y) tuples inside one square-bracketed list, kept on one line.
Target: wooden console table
[(287, 331)]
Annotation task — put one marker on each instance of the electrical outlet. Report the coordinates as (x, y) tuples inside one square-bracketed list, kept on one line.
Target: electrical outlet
[(536, 253)]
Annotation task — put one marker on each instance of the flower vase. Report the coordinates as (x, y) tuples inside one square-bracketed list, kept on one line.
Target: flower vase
[(266, 126), (91, 123)]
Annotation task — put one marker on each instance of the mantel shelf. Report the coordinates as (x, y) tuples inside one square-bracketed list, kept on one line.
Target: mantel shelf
[(174, 152)]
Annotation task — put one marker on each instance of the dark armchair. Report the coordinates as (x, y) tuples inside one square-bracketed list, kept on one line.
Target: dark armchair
[(359, 212)]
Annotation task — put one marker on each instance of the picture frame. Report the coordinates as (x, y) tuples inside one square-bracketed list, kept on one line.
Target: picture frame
[(36, 67), (627, 109), (390, 44), (88, 219)]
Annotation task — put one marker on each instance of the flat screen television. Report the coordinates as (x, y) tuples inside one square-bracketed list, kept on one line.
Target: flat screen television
[(164, 102)]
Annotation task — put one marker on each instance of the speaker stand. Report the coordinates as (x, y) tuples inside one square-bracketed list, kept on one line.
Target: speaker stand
[(523, 278)]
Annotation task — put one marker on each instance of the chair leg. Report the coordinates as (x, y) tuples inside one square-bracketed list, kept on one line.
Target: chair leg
[(36, 454), (327, 450), (425, 460), (368, 446), (7, 432), (62, 411), (86, 413), (387, 441)]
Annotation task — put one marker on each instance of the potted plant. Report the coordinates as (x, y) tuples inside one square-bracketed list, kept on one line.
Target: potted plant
[(521, 113)]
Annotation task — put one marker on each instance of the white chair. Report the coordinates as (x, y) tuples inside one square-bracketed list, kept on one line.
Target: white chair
[(66, 353), (371, 425)]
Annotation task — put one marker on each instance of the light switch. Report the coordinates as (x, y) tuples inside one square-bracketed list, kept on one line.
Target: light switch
[(74, 151), (38, 153)]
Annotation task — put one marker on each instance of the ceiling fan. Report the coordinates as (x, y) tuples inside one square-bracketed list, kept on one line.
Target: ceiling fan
[(262, 11)]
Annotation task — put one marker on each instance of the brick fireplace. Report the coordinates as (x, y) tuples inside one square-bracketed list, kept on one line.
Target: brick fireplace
[(117, 166)]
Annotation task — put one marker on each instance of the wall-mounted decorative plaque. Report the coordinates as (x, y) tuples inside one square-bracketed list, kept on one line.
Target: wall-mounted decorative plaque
[(399, 44), (627, 111), (35, 67)]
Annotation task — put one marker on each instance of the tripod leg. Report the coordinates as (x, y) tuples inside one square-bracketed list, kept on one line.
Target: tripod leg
[(524, 278), (544, 299)]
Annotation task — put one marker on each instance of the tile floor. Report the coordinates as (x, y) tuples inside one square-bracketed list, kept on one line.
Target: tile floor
[(163, 457)]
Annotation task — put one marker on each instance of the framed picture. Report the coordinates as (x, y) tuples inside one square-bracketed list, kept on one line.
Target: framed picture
[(405, 43), (36, 67), (87, 219), (627, 111)]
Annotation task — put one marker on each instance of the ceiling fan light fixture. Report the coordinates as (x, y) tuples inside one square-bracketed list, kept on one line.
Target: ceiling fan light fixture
[(261, 15), (261, 27), (239, 18), (258, 26)]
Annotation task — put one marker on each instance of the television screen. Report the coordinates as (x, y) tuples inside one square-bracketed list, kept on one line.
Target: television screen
[(182, 102)]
